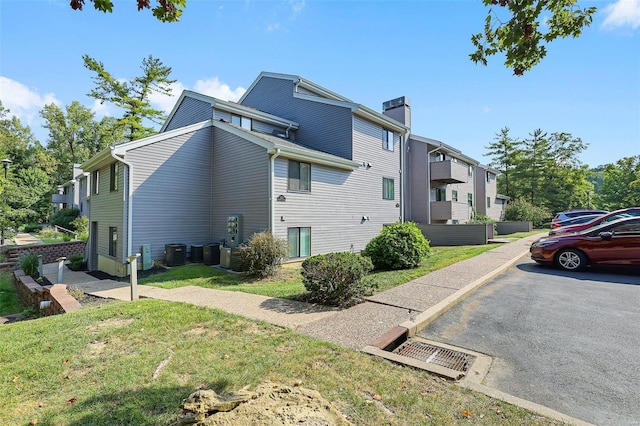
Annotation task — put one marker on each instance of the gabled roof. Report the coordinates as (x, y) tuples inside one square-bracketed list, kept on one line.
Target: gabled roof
[(104, 157), (490, 169), (453, 152), (287, 148), (232, 107), (328, 97), (272, 144)]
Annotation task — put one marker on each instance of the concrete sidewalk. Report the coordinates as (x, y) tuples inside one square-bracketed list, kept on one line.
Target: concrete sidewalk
[(412, 305)]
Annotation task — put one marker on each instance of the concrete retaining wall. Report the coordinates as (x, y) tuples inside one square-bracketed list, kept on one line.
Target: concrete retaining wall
[(505, 228), (457, 235)]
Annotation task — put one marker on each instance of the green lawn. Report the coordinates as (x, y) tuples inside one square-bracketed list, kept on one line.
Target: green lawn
[(288, 283), (96, 366), (9, 301)]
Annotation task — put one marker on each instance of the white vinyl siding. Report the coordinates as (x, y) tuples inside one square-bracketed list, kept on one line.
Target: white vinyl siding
[(172, 191)]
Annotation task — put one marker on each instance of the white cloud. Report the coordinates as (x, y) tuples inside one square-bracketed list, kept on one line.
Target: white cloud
[(25, 103), (297, 6), (622, 13), (273, 27), (164, 102), (213, 87)]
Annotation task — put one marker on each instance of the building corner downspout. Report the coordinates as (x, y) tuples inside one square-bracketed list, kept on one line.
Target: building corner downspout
[(429, 181), (272, 174), (129, 197), (402, 197)]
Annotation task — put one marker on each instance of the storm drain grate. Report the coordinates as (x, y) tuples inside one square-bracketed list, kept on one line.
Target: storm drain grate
[(431, 354)]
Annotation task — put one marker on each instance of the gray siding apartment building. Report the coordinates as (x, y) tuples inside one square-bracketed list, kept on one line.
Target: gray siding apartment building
[(315, 168)]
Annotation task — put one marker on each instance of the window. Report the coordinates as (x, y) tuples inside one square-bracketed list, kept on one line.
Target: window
[(299, 176), (488, 177), (113, 176), (240, 121), (488, 201), (454, 195), (387, 139), (299, 242), (470, 199), (441, 194), (96, 181), (388, 192), (113, 241)]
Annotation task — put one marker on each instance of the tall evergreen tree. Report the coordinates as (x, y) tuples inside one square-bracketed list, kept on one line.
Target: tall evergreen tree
[(133, 96), (504, 154)]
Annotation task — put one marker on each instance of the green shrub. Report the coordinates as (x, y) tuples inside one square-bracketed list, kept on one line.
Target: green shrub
[(77, 262), (29, 264), (48, 233), (263, 254), (81, 226), (482, 219), (522, 210), (399, 246), (31, 227), (64, 218), (336, 279)]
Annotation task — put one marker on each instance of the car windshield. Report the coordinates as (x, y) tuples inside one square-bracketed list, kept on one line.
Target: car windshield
[(604, 227)]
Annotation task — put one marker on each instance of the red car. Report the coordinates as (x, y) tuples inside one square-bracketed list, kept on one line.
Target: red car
[(611, 243), (571, 214), (609, 217)]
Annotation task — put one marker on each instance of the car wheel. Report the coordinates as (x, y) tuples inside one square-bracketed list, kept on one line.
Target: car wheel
[(571, 260)]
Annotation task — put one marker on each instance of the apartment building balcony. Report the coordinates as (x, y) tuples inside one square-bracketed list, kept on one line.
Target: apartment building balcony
[(59, 198), (449, 172), (450, 210)]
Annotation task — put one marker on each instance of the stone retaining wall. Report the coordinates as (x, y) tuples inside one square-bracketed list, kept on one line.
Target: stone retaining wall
[(31, 294), (51, 252)]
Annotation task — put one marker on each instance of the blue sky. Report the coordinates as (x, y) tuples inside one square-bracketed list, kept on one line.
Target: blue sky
[(368, 51)]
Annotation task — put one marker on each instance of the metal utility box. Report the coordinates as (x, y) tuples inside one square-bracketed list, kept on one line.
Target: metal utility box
[(234, 230), (236, 260), (211, 254), (225, 257), (147, 261), (175, 254), (196, 253)]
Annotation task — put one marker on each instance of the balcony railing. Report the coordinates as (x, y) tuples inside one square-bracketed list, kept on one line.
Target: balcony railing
[(450, 210), (449, 172)]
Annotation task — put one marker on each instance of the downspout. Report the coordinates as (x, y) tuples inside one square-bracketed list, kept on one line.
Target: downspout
[(401, 179), (129, 197), (272, 174), (429, 181)]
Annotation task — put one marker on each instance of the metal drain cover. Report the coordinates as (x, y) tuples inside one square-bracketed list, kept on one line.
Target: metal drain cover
[(436, 355)]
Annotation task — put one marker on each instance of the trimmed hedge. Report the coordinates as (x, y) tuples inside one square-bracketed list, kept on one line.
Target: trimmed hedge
[(399, 246), (337, 279)]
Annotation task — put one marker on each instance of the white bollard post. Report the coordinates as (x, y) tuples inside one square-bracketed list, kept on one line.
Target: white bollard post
[(40, 267), (60, 261), (133, 265)]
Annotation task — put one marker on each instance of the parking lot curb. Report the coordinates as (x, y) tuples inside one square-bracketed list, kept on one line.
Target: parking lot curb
[(523, 403), (433, 313)]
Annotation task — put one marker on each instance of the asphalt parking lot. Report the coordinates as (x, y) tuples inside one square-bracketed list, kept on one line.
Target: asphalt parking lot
[(566, 340)]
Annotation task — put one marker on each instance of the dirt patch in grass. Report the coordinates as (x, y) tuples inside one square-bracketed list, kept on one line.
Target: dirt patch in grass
[(269, 404)]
